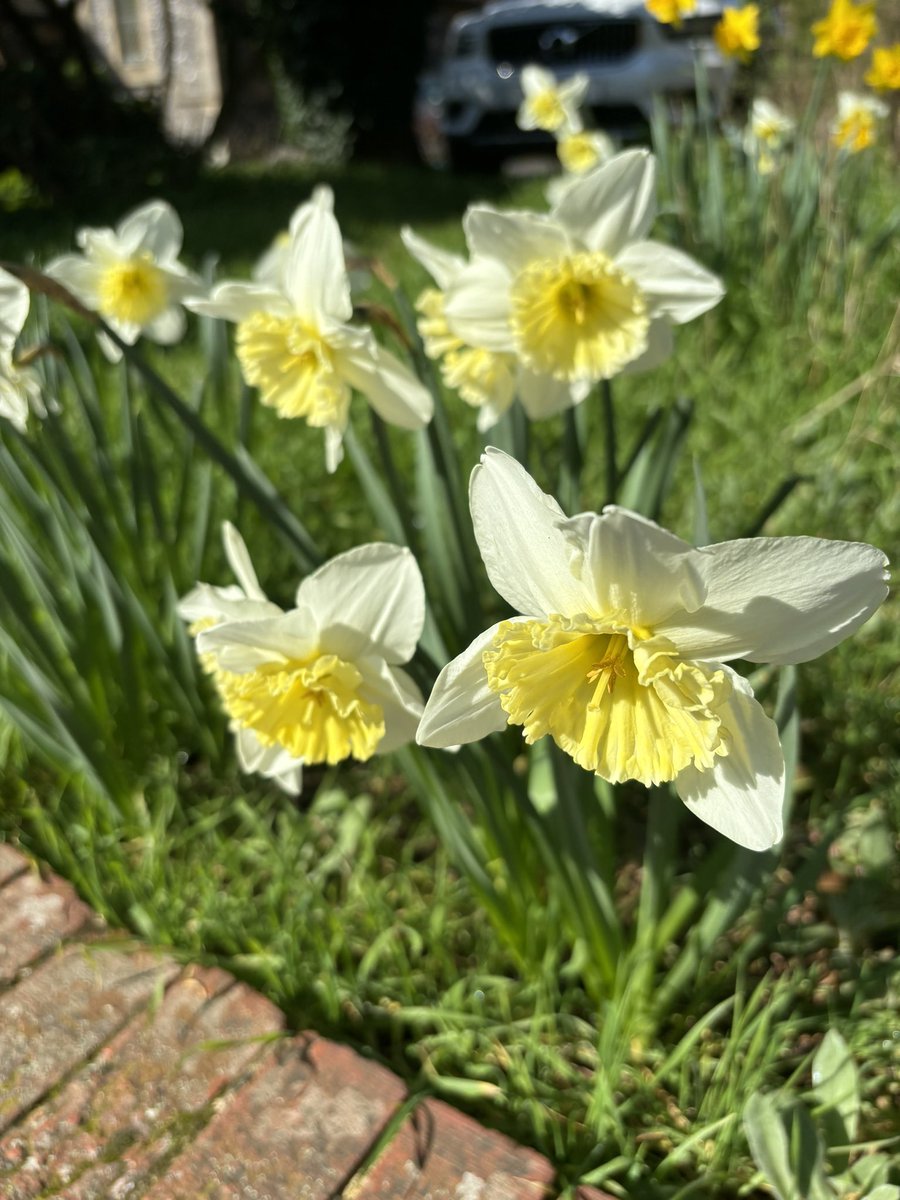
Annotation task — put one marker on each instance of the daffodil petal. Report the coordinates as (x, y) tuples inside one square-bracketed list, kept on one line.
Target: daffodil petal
[(742, 795), (672, 283), (513, 238), (441, 265), (612, 205), (229, 603), (780, 600), (14, 299), (660, 344), (242, 645), (78, 275), (315, 277), (461, 707), (370, 599), (240, 562), (636, 572), (153, 228), (477, 305), (273, 762), (168, 327), (543, 396), (390, 387), (519, 532), (233, 301), (398, 698)]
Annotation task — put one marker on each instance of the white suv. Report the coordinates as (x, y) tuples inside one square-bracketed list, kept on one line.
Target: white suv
[(466, 109)]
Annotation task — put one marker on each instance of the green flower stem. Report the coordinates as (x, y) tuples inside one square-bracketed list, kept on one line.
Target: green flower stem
[(609, 431)]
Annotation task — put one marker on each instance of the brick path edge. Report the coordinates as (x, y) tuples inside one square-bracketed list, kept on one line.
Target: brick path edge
[(124, 1074)]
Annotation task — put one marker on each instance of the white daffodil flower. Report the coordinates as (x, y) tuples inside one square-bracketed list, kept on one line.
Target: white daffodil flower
[(620, 650), (584, 150), (549, 105), (582, 293), (131, 276), (270, 266), (295, 343), (483, 379), (767, 134), (207, 606), (20, 391), (321, 682), (855, 126)]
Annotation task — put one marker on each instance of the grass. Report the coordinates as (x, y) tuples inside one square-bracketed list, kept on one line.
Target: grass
[(343, 906)]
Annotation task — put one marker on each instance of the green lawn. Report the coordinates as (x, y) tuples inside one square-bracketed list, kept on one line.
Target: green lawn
[(344, 906)]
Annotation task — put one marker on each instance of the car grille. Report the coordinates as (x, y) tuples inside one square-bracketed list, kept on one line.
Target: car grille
[(565, 43)]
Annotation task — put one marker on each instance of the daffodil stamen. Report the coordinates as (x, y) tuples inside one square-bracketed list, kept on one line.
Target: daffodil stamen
[(311, 707), (133, 290), (293, 366), (579, 317)]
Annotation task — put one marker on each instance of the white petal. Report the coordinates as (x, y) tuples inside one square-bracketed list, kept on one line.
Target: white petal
[(101, 245), (223, 603), (369, 600), (273, 762), (542, 396), (441, 265), (315, 277), (240, 562), (234, 301), (612, 205), (537, 79), (400, 700), (14, 299), (636, 571), (334, 447), (322, 198), (461, 707), (513, 238), (168, 327), (660, 345), (109, 347), (243, 645), (477, 305), (742, 796), (154, 228), (78, 275), (14, 404), (780, 600), (389, 386), (673, 284), (518, 530)]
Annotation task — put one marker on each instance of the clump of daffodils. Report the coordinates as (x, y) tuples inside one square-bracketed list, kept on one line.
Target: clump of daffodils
[(20, 390), (579, 294), (131, 276), (845, 31), (737, 32), (295, 342), (322, 682), (766, 135), (621, 647), (855, 127)]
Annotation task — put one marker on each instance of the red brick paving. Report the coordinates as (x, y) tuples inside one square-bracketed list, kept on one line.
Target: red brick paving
[(123, 1075)]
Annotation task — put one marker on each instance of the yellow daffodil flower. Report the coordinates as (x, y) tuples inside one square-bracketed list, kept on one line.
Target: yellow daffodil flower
[(621, 647), (884, 73), (296, 345), (855, 127), (322, 682), (131, 276), (670, 12), (737, 33), (846, 30), (547, 104), (582, 151), (580, 294)]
